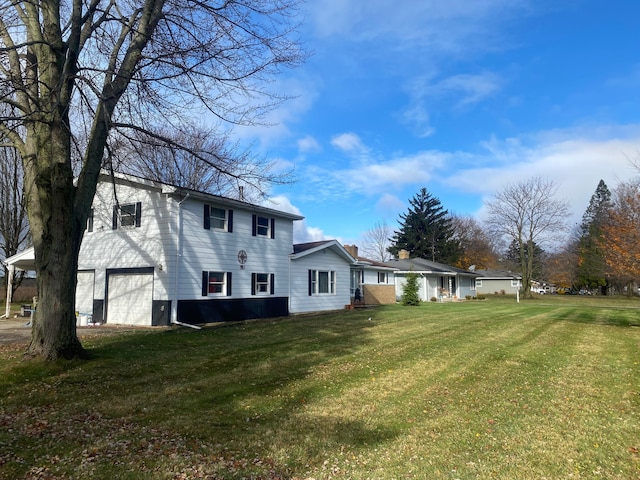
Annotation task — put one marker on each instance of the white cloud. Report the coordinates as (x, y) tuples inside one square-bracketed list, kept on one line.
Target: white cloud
[(348, 142), (302, 232), (575, 160), (308, 144)]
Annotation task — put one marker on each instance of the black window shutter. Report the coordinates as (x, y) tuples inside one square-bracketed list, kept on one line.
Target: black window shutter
[(253, 225), (272, 283), (229, 284), (253, 284), (205, 283), (230, 221), (273, 228), (207, 218), (138, 213), (114, 223), (310, 282)]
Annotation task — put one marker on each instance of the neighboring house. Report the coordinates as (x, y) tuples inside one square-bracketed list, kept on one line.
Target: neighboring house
[(497, 281), (435, 280), (372, 282), (320, 273)]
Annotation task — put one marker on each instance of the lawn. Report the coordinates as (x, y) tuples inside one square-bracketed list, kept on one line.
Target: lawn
[(541, 389)]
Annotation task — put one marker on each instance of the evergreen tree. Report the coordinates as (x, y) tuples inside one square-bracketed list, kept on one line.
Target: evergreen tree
[(512, 259), (410, 290), (426, 231), (591, 262)]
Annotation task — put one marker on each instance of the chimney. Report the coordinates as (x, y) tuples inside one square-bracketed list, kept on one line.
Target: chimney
[(403, 254), (352, 249)]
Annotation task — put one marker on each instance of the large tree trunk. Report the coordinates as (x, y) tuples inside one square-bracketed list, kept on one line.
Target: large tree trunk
[(57, 234)]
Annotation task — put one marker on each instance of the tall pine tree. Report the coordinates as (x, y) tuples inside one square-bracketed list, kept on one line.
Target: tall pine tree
[(591, 263), (426, 231)]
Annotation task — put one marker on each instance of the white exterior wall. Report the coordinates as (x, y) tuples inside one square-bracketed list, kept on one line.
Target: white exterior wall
[(150, 245), (326, 260), (216, 250)]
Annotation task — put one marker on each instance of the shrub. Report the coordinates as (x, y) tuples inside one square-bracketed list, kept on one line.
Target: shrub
[(434, 299), (410, 291)]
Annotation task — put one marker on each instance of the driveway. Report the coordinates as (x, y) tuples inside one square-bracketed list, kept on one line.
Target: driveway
[(18, 330)]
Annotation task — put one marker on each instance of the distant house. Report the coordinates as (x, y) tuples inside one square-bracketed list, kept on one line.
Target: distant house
[(320, 274), (372, 282), (435, 280), (497, 281)]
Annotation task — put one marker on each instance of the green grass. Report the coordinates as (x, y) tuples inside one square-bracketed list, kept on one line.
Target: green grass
[(548, 388)]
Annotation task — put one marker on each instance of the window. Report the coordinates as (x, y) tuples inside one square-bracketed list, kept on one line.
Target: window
[(382, 277), (216, 284), (90, 221), (263, 226), (262, 284), (478, 282), (322, 282), (127, 215), (217, 218), (515, 283)]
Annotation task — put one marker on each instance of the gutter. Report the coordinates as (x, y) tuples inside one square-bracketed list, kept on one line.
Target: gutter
[(174, 303)]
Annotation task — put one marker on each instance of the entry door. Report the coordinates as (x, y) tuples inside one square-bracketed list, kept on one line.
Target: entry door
[(130, 298), (84, 292)]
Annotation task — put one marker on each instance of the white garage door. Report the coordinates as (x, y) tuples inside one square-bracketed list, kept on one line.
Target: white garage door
[(84, 292), (130, 299)]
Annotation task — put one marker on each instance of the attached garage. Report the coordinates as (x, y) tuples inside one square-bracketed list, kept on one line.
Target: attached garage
[(130, 296)]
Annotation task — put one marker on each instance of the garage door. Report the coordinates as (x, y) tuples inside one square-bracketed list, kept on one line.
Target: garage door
[(130, 299), (84, 292)]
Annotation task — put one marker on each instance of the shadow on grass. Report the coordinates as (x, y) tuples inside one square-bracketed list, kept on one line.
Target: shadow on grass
[(238, 388)]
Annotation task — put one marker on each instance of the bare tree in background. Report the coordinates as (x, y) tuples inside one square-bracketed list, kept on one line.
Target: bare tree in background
[(14, 226), (79, 75), (377, 242), (146, 156), (528, 214)]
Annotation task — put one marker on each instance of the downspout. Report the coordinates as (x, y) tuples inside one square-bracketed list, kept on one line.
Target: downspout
[(174, 303), (7, 311)]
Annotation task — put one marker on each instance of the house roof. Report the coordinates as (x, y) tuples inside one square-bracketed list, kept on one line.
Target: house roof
[(304, 249), (25, 260), (367, 263), (422, 265), (169, 189), (497, 274)]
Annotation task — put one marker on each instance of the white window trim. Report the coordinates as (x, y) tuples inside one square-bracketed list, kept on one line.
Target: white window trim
[(331, 284), (225, 221), (222, 293)]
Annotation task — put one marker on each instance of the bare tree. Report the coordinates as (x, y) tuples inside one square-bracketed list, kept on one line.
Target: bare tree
[(144, 155), (80, 74), (377, 241), (14, 226), (527, 214)]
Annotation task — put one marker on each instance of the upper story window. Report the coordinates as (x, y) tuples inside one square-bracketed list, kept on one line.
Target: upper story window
[(217, 218), (322, 282), (263, 226), (90, 221), (127, 215)]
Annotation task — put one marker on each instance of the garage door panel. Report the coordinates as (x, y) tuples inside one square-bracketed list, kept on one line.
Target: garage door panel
[(130, 299)]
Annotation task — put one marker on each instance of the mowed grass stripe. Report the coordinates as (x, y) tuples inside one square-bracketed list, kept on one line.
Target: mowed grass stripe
[(494, 389)]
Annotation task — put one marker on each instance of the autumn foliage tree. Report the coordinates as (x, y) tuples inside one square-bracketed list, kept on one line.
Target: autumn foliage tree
[(620, 239)]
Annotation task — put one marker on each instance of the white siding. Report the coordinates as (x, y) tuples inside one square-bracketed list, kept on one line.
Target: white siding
[(216, 250), (150, 245), (325, 260)]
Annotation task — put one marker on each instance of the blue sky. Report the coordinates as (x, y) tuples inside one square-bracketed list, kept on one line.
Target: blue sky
[(461, 97)]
